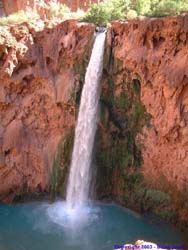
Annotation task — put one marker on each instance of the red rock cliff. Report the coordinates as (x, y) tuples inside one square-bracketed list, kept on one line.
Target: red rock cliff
[(37, 86), (155, 53)]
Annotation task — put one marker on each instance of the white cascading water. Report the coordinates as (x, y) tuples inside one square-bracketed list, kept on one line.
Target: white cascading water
[(80, 171)]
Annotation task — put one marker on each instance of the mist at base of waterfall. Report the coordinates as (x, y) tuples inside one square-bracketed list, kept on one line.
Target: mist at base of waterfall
[(44, 226)]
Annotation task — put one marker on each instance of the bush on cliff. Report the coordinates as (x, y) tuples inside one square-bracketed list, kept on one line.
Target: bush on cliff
[(106, 11), (118, 8), (98, 14), (159, 8), (110, 10)]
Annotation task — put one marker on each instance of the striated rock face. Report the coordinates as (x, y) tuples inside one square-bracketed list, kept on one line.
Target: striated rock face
[(39, 88), (154, 53)]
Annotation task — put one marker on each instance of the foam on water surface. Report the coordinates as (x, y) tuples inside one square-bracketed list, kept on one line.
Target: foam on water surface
[(44, 226)]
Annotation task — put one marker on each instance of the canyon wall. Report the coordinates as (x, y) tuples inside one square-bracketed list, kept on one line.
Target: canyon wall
[(39, 84), (141, 144), (144, 117), (156, 52)]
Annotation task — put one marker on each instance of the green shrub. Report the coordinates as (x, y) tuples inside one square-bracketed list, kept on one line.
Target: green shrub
[(143, 7), (118, 8), (98, 14), (110, 10), (132, 14), (133, 180), (157, 197), (102, 13), (106, 11), (184, 6), (159, 8), (166, 8)]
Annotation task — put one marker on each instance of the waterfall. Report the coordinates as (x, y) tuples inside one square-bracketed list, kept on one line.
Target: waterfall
[(80, 170)]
